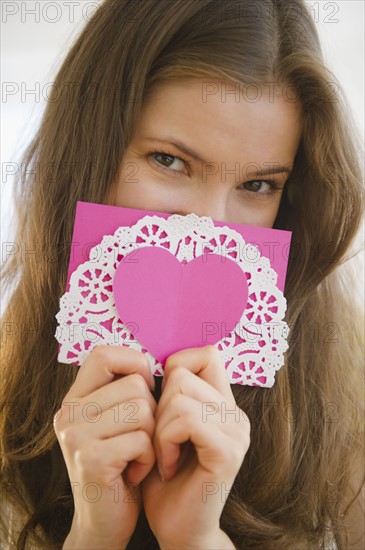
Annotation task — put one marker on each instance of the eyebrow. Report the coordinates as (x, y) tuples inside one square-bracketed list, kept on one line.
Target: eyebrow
[(280, 169)]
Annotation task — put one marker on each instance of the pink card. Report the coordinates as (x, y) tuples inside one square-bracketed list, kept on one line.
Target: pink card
[(161, 283)]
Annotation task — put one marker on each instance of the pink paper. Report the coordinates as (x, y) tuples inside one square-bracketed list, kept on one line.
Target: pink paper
[(93, 221), (229, 294)]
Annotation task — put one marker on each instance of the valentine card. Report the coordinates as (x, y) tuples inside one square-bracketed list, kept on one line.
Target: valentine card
[(160, 283)]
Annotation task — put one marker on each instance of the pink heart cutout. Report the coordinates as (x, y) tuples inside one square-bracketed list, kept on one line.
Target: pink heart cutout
[(172, 305)]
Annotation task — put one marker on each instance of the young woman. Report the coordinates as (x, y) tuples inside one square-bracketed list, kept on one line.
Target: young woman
[(150, 94)]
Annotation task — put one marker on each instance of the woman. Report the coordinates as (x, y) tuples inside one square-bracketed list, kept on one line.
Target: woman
[(167, 68)]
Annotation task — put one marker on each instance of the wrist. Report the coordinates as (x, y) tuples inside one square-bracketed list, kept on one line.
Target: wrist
[(80, 541), (217, 540)]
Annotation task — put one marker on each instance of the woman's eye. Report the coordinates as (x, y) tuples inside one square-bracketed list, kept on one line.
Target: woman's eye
[(167, 161), (260, 186)]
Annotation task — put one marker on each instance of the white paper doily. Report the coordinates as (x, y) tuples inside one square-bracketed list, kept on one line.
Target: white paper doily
[(251, 353)]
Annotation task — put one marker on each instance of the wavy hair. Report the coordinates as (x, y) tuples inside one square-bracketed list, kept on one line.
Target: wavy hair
[(307, 430)]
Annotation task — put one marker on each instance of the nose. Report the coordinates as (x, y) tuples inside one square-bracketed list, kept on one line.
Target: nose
[(214, 208), (181, 212)]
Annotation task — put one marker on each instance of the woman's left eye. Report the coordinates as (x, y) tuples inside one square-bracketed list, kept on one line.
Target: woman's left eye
[(260, 186)]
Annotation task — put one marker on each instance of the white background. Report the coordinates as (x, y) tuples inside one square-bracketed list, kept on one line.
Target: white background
[(34, 45)]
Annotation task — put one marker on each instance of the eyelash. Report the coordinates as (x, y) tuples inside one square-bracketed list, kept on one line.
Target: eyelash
[(273, 186)]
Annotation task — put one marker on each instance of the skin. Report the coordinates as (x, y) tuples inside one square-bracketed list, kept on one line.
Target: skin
[(237, 139), (181, 466)]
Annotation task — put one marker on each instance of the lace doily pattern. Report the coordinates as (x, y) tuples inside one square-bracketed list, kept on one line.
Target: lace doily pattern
[(88, 317)]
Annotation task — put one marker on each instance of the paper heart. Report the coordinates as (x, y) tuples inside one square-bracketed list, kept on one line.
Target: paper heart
[(206, 298)]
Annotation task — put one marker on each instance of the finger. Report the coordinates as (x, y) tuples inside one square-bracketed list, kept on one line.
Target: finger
[(124, 390), (103, 363), (118, 452), (130, 416), (213, 448), (206, 362), (182, 381), (181, 405)]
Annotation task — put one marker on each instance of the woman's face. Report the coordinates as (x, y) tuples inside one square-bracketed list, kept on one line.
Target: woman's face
[(240, 153)]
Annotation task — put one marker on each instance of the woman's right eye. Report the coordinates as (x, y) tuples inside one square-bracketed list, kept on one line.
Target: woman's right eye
[(160, 159)]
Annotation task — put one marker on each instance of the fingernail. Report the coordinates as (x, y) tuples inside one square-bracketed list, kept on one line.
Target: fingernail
[(160, 471)]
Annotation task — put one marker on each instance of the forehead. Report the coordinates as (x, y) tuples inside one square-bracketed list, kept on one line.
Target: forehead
[(215, 116)]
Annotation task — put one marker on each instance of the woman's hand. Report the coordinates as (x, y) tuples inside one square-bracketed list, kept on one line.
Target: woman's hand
[(197, 410), (105, 422)]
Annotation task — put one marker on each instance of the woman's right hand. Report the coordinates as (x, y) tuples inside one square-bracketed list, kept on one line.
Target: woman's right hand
[(106, 420)]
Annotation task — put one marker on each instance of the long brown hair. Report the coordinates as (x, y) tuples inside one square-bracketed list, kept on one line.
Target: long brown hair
[(307, 430)]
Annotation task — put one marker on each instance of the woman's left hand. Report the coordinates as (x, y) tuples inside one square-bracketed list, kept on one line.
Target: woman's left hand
[(197, 410)]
